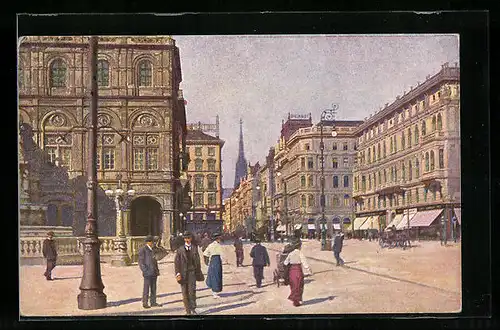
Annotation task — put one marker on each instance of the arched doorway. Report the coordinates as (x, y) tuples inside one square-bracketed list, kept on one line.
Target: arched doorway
[(145, 217)]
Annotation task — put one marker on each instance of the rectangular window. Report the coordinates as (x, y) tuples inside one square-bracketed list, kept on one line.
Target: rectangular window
[(198, 183), (212, 199), (334, 146), (345, 147), (211, 151), (346, 181), (108, 158), (302, 163), (211, 165), (138, 159), (425, 194), (212, 183), (198, 200), (441, 158), (417, 196), (346, 162), (152, 158), (310, 163), (198, 165), (65, 157), (197, 151), (51, 153), (334, 163), (307, 146)]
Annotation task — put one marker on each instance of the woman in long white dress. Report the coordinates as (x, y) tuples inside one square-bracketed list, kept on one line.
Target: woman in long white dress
[(214, 274)]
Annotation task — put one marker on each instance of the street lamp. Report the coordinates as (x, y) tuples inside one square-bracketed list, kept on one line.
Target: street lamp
[(182, 203), (91, 287), (326, 115), (122, 200), (285, 202)]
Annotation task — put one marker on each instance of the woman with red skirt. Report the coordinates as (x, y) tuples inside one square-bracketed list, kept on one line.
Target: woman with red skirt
[(297, 263)]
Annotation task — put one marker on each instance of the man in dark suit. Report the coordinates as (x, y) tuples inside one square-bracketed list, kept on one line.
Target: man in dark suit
[(150, 272), (260, 259), (50, 253), (338, 241), (188, 271)]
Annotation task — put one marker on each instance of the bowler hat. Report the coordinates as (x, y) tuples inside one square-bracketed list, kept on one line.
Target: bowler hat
[(215, 235), (256, 240), (50, 233), (148, 238), (187, 234)]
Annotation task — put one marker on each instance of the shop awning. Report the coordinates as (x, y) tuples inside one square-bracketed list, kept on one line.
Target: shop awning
[(336, 226), (358, 222), (395, 222), (425, 218), (458, 214), (403, 224), (311, 226), (366, 224)]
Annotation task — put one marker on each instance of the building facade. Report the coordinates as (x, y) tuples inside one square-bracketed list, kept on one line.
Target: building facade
[(141, 122), (298, 176), (205, 175), (409, 156)]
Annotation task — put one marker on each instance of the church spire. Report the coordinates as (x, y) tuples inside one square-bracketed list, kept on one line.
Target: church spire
[(241, 163)]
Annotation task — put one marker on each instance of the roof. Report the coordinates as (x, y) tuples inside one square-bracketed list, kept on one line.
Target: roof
[(226, 192), (199, 136)]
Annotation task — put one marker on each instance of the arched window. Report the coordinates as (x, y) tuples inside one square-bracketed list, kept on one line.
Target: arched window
[(335, 181), (311, 200), (423, 128), (336, 201), (346, 200), (432, 160), (310, 179), (102, 73), (58, 73), (346, 181), (439, 122), (416, 134), (198, 164), (427, 161), (417, 168), (303, 201), (303, 181), (409, 137), (433, 123), (145, 73), (212, 182)]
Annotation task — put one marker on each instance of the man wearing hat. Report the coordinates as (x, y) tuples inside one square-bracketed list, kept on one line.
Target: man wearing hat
[(260, 259), (50, 253), (149, 267), (187, 271), (214, 274)]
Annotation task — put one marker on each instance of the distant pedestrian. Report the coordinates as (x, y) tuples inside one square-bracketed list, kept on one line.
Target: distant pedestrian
[(187, 271), (149, 267), (260, 260), (338, 242), (297, 262), (50, 253), (238, 249), (214, 273)]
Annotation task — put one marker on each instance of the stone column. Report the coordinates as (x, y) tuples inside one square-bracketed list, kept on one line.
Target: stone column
[(120, 256), (166, 219)]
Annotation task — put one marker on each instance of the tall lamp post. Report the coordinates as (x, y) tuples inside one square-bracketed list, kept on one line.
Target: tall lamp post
[(326, 115), (122, 199), (91, 287), (285, 202), (271, 186)]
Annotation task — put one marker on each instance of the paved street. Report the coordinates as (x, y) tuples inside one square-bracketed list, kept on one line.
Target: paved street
[(425, 278)]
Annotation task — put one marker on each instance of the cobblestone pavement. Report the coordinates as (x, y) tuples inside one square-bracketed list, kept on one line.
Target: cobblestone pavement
[(423, 279)]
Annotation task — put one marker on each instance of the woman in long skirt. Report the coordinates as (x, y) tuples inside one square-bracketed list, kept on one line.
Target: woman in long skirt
[(297, 262), (214, 275)]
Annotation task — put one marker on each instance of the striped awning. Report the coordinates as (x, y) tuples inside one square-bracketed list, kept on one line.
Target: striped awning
[(358, 222), (403, 224), (366, 224), (425, 218), (395, 222), (458, 214)]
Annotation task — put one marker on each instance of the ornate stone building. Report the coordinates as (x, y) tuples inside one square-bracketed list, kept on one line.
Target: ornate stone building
[(298, 170), (141, 116), (408, 166)]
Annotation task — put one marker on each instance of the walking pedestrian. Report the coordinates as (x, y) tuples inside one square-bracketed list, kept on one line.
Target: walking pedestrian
[(338, 242), (187, 271), (260, 260), (238, 248), (214, 274), (50, 253), (297, 262), (149, 267)]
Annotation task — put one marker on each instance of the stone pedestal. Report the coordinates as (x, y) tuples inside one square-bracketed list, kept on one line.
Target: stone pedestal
[(120, 256)]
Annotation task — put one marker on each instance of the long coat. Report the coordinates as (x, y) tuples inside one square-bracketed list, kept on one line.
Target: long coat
[(337, 243), (147, 262), (181, 266), (49, 249), (259, 255)]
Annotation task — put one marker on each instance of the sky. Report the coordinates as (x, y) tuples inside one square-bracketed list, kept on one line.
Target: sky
[(261, 79)]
